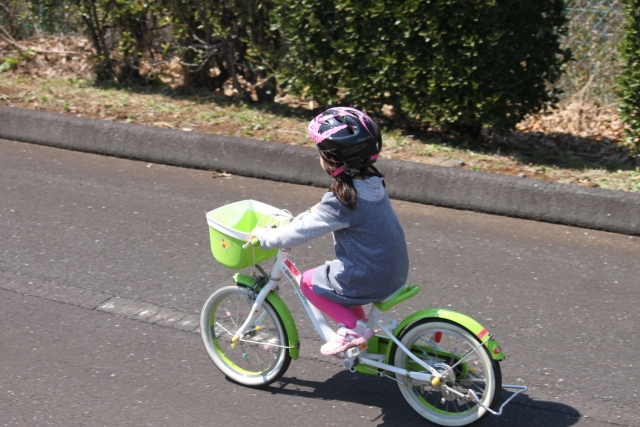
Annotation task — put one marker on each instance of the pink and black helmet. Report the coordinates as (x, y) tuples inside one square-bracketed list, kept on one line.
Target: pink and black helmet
[(348, 136)]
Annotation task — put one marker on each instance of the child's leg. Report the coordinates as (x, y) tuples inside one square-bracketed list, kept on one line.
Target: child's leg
[(335, 311)]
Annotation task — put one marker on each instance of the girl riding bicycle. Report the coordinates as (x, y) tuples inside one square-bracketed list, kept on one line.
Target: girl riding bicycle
[(372, 259)]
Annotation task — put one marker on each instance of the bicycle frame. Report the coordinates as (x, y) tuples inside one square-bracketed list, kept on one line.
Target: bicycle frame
[(284, 267)]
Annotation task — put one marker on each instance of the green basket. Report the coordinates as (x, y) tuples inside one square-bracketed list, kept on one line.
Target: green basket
[(230, 227)]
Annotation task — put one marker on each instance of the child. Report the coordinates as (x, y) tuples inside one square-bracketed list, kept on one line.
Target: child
[(372, 260)]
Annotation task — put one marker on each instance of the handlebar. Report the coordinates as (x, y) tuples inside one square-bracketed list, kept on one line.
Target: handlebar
[(252, 242)]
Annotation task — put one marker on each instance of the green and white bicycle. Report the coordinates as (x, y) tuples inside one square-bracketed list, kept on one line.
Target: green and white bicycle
[(445, 363)]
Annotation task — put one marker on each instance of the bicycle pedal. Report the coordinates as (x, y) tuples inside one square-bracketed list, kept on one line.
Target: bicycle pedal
[(353, 352)]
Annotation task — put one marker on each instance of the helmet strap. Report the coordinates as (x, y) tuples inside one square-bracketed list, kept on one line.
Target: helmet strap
[(337, 172), (344, 167)]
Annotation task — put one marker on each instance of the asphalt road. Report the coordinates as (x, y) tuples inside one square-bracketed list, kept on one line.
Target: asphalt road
[(104, 264)]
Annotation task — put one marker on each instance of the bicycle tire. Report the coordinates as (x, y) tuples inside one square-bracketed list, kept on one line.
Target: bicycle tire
[(261, 357), (441, 344)]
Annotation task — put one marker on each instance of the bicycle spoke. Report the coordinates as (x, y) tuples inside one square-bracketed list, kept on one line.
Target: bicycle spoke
[(228, 314)]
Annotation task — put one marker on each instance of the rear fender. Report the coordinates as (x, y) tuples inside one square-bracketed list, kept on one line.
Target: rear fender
[(283, 311), (453, 316)]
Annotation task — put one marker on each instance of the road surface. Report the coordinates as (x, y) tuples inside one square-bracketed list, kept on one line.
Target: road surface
[(105, 263)]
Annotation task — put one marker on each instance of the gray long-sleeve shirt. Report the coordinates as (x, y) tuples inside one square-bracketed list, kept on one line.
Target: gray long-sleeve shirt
[(372, 258)]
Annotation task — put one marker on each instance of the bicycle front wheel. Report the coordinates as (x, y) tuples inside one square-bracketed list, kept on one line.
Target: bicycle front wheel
[(453, 351), (261, 356)]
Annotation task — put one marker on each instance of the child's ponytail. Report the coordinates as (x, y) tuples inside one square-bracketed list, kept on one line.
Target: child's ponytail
[(345, 191)]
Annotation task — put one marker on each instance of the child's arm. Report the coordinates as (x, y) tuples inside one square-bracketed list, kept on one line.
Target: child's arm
[(301, 231), (323, 218)]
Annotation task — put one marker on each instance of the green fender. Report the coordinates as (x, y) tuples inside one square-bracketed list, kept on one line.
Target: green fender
[(462, 319), (283, 311)]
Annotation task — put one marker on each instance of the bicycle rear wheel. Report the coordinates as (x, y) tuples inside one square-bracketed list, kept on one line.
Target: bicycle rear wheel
[(261, 356), (442, 345)]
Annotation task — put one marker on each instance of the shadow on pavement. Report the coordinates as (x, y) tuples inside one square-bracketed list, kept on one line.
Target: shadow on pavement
[(384, 394)]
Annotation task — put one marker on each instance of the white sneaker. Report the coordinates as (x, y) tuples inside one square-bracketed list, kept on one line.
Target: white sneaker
[(347, 338)]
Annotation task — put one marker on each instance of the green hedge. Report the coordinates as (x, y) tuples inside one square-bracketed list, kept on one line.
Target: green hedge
[(628, 89), (455, 64)]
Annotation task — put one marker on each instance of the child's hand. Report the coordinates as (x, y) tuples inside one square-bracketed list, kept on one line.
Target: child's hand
[(253, 233)]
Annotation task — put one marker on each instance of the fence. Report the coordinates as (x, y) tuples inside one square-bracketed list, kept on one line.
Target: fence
[(595, 32), (24, 19)]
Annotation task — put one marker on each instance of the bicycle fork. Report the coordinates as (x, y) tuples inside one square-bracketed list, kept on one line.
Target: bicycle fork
[(254, 316)]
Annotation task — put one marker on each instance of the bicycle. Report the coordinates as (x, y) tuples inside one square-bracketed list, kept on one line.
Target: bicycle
[(445, 363)]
